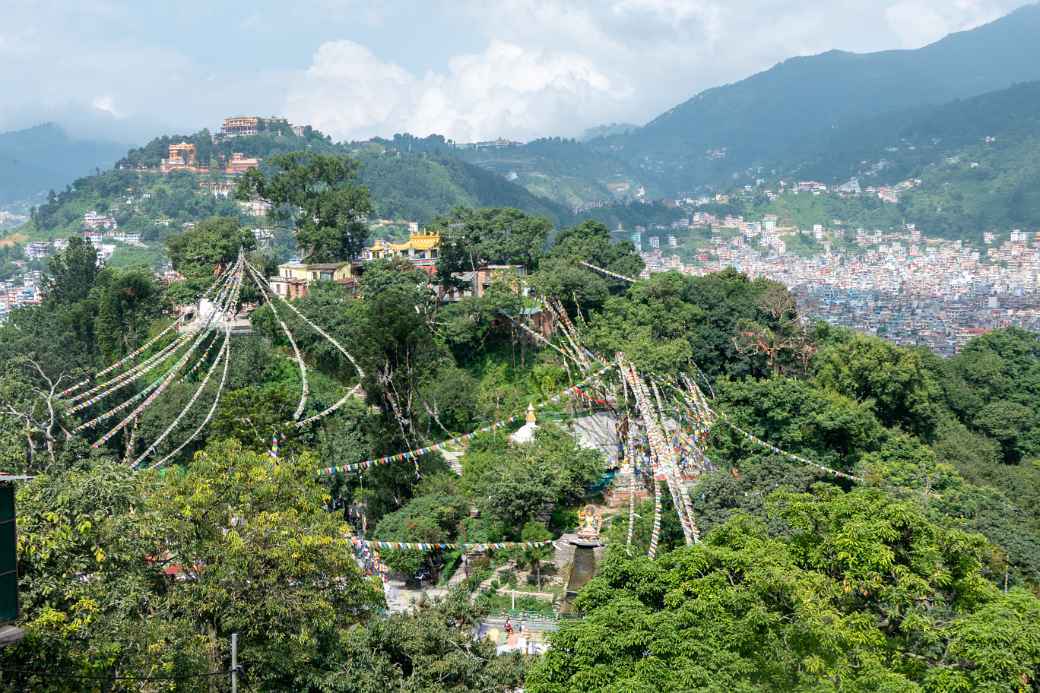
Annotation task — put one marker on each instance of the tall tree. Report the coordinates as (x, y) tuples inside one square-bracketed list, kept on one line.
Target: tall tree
[(319, 194), (127, 304), (71, 273), (265, 560), (90, 587), (474, 238), (562, 275), (200, 252)]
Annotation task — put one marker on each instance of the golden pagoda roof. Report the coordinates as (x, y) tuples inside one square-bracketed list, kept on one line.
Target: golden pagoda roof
[(419, 241)]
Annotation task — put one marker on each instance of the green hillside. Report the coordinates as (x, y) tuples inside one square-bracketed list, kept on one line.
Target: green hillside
[(413, 186), (890, 148), (973, 163), (409, 178), (564, 170), (980, 188), (422, 186), (983, 187)]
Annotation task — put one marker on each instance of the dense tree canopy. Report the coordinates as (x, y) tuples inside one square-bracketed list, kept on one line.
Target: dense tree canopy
[(201, 251), (854, 591), (992, 385), (898, 382), (319, 194), (562, 276), (139, 573), (128, 303), (725, 323), (71, 273), (916, 568), (471, 239)]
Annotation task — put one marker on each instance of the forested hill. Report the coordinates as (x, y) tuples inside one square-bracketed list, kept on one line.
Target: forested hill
[(974, 161), (406, 183), (564, 170), (961, 168), (40, 158), (785, 112), (422, 186), (889, 148)]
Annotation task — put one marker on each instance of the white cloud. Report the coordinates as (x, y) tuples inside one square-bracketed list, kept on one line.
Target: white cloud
[(668, 50), (466, 68), (919, 22), (105, 104), (348, 90), (506, 90)]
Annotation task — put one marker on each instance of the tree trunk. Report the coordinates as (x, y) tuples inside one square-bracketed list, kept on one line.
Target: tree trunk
[(214, 655)]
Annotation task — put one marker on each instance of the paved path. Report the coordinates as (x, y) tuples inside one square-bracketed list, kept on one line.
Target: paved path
[(528, 635)]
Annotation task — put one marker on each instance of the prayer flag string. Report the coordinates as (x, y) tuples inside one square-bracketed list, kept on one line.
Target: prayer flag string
[(411, 455), (440, 546)]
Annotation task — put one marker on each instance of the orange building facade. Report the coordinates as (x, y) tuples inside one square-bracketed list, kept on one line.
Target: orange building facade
[(240, 163), (182, 157)]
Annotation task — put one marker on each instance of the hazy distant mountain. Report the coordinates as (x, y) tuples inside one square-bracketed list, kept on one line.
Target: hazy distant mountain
[(606, 131), (44, 157), (785, 113)]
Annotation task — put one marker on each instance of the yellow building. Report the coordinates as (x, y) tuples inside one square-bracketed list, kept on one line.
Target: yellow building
[(294, 278), (421, 249)]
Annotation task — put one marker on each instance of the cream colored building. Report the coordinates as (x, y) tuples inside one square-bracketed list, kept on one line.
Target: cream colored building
[(295, 278)]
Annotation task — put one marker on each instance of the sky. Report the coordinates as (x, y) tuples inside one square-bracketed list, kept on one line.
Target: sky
[(468, 69)]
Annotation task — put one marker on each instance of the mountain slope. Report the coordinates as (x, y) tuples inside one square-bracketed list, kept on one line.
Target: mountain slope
[(976, 161), (956, 170), (785, 112), (40, 158), (563, 170), (894, 146), (421, 186)]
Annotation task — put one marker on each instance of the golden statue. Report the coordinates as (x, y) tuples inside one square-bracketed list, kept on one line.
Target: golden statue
[(589, 523)]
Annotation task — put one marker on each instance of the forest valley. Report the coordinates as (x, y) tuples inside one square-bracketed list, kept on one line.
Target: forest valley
[(864, 517)]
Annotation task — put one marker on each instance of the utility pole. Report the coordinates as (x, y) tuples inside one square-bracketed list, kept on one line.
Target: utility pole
[(234, 663)]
